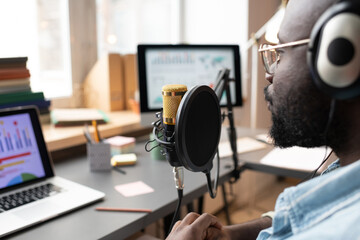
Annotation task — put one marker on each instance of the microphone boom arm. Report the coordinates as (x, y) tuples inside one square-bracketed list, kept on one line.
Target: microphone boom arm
[(223, 84)]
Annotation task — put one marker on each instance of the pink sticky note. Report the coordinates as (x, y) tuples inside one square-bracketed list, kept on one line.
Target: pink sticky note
[(133, 189)]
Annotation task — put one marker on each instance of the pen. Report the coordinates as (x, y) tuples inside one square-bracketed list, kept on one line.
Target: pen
[(123, 209), (96, 131), (87, 134)]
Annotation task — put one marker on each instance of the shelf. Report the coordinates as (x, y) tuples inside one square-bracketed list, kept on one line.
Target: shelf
[(121, 123)]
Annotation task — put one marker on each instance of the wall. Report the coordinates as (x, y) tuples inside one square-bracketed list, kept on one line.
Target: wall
[(251, 183), (82, 14), (260, 11)]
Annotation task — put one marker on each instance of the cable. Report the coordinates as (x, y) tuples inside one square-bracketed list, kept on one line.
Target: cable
[(179, 183), (157, 130), (177, 211), (326, 157), (313, 173), (213, 190)]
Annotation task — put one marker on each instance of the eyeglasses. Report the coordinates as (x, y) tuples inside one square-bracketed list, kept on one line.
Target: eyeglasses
[(271, 57)]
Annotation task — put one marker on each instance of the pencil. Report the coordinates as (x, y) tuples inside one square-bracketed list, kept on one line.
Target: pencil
[(96, 131), (123, 209)]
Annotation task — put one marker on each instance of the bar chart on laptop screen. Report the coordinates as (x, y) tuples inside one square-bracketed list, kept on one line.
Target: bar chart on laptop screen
[(188, 67), (20, 159)]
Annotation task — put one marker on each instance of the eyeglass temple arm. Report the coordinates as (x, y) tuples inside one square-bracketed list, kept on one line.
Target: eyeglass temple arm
[(290, 44)]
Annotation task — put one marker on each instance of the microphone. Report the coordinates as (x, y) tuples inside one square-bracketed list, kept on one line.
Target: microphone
[(190, 124), (172, 95), (188, 130)]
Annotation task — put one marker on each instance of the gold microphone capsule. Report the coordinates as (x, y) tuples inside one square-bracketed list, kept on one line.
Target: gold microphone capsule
[(172, 95)]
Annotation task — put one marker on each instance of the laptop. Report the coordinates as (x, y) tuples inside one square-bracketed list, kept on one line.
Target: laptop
[(30, 192)]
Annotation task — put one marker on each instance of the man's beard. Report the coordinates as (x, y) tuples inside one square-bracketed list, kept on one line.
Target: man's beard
[(302, 121), (288, 131)]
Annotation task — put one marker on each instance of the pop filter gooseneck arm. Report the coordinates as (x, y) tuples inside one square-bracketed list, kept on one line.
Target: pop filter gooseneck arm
[(222, 84)]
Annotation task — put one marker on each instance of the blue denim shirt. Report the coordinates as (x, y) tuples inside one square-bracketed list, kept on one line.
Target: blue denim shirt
[(326, 207)]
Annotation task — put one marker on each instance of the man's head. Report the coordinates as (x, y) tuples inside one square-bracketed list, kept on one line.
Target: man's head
[(300, 111)]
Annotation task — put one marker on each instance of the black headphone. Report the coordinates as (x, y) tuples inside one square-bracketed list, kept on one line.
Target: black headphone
[(334, 50)]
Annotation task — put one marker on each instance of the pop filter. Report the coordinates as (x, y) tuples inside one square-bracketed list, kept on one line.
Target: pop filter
[(198, 129)]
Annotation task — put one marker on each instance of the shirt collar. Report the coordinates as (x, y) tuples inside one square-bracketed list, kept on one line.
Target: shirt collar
[(332, 166)]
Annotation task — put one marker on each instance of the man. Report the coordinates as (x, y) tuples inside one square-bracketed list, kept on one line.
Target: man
[(326, 207)]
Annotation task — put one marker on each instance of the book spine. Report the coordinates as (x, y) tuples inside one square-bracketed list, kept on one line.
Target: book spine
[(13, 89), (20, 97), (13, 71), (13, 60), (13, 63), (15, 82), (41, 104), (6, 74)]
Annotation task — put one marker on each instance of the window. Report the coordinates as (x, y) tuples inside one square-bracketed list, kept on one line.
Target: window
[(122, 24), (221, 22), (39, 29)]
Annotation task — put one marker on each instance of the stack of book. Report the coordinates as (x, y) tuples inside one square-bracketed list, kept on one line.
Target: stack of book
[(15, 87)]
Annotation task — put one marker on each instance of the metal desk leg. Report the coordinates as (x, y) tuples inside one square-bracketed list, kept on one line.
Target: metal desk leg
[(201, 204), (190, 207), (226, 205)]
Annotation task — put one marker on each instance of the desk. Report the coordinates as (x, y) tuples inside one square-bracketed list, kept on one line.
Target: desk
[(251, 160), (86, 223)]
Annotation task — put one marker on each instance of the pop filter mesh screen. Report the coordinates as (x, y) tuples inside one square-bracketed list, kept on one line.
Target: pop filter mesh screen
[(202, 128)]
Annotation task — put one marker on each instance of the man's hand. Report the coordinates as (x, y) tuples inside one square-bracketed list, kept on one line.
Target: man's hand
[(195, 226)]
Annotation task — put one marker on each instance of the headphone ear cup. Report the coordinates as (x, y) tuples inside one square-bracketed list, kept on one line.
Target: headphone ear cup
[(334, 51)]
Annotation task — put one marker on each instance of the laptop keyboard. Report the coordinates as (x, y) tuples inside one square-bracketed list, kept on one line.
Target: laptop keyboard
[(27, 196)]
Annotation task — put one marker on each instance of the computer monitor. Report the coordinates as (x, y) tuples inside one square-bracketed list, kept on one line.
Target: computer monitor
[(191, 65)]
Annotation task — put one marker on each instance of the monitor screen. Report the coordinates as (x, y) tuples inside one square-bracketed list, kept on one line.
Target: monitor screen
[(191, 65)]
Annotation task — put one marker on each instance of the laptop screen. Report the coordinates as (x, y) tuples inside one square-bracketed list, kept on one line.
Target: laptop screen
[(23, 155)]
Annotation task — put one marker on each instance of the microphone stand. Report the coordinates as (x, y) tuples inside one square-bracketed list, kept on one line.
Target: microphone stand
[(222, 84)]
